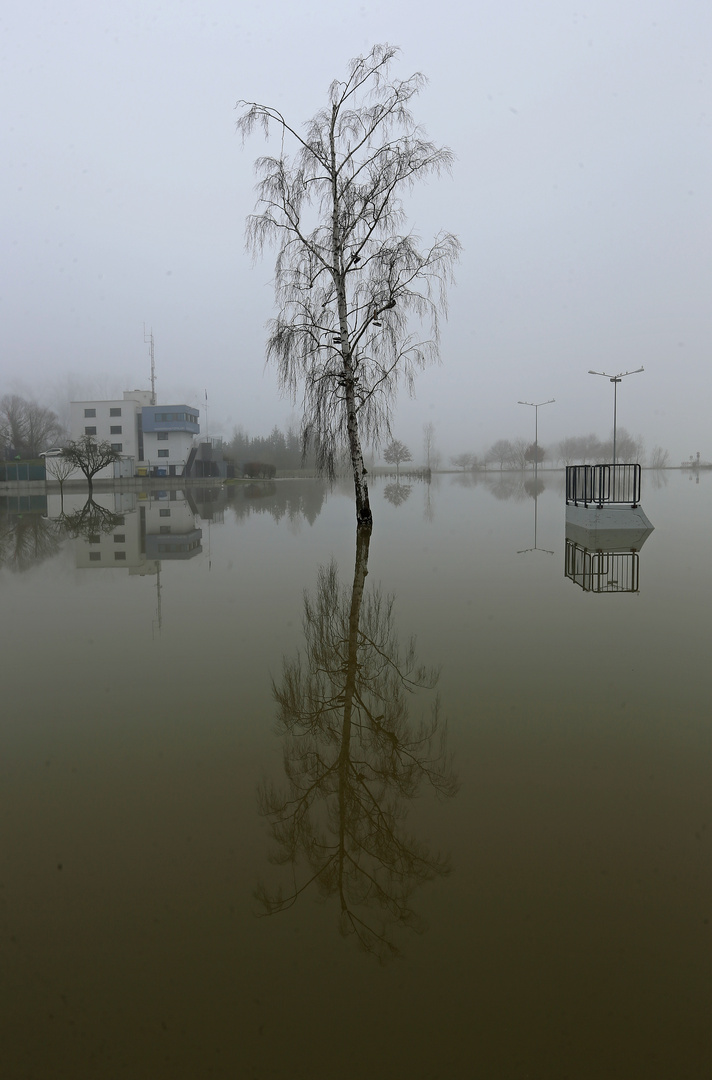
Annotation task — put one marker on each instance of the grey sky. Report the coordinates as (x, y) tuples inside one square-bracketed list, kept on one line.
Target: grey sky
[(581, 193)]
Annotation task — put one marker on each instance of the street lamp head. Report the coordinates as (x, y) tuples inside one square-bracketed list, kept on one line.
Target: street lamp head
[(619, 376)]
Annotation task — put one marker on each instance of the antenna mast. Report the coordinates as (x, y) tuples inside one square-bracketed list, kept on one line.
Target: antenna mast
[(149, 341)]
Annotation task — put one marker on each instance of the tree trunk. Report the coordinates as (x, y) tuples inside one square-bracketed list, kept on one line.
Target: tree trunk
[(364, 518)]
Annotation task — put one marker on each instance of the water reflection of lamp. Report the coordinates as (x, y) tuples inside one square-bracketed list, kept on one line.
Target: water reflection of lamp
[(534, 488)]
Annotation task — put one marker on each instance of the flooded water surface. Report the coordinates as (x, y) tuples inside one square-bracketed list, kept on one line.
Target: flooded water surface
[(281, 802)]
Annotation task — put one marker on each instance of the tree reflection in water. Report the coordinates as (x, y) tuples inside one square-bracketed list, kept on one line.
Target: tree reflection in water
[(28, 539), (354, 758), (91, 519), (396, 493)]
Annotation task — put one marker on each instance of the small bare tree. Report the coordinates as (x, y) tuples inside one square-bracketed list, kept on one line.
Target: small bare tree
[(59, 468), (349, 276), (395, 452), (89, 456)]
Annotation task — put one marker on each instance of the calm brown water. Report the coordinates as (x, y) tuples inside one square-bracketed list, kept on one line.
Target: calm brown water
[(550, 905)]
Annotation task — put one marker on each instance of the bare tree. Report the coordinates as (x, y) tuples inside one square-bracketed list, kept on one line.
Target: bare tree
[(90, 456), (464, 461), (26, 426), (349, 277), (12, 422), (501, 452), (519, 453), (429, 445), (59, 468), (659, 458), (395, 452), (42, 427)]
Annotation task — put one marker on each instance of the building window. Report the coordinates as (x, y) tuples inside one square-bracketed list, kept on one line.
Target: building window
[(94, 538), (119, 555), (94, 556), (119, 519), (164, 513), (165, 529), (119, 538), (115, 429), (90, 412), (162, 436), (117, 446), (90, 431), (114, 412), (163, 453)]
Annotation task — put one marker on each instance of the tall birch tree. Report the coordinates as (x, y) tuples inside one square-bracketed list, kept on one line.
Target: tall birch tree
[(359, 295)]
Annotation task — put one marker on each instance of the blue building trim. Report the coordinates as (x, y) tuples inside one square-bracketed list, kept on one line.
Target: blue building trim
[(170, 418)]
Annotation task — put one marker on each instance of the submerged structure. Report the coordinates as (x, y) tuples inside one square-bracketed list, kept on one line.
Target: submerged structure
[(605, 527)]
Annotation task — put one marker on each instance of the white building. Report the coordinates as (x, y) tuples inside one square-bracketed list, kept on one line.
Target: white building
[(153, 440)]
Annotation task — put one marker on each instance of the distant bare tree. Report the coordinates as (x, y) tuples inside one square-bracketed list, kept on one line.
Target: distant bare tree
[(395, 453), (501, 453), (659, 458), (464, 461), (349, 278), (629, 448), (519, 453), (581, 450), (26, 426), (429, 445), (12, 422)]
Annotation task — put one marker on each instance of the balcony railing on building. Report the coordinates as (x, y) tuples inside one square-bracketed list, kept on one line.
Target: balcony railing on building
[(603, 485)]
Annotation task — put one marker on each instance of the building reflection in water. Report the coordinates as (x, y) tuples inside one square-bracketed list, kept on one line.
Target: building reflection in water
[(604, 561), (140, 530), (362, 737)]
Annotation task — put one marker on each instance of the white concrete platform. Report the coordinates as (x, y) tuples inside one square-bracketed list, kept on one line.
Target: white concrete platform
[(608, 528)]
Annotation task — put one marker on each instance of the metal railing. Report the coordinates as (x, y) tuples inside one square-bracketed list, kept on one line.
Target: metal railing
[(602, 571), (602, 485)]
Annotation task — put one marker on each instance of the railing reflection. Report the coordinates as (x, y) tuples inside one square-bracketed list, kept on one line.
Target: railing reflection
[(604, 561), (354, 757)]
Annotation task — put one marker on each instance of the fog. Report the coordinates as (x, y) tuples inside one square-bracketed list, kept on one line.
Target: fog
[(580, 193)]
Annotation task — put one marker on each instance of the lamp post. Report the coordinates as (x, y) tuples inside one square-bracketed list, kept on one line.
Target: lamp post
[(615, 379), (536, 407)]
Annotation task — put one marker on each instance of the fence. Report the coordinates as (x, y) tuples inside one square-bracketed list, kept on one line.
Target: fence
[(21, 471), (601, 485)]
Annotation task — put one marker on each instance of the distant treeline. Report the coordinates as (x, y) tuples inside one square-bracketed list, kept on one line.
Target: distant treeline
[(573, 450), (281, 450)]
